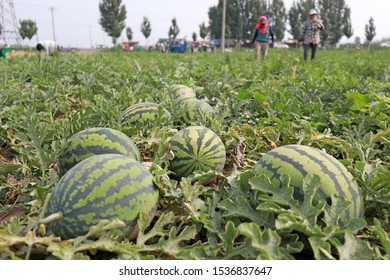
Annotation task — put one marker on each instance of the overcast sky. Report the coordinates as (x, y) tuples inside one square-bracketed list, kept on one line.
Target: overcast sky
[(76, 21)]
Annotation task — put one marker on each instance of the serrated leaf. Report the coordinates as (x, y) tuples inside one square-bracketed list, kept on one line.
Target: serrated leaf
[(266, 242), (333, 212), (241, 208), (321, 248), (384, 237), (354, 248), (158, 228), (294, 215)]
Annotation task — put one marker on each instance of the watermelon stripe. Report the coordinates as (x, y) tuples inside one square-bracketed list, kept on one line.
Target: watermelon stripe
[(347, 181), (93, 141), (299, 161), (102, 187), (332, 175), (90, 171), (196, 148), (297, 165), (99, 196)]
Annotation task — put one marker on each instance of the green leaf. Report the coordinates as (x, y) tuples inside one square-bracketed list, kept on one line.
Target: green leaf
[(266, 242), (293, 215), (354, 248), (321, 248), (241, 208), (360, 100), (384, 237)]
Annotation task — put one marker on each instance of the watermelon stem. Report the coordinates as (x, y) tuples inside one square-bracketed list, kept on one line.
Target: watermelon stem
[(51, 218)]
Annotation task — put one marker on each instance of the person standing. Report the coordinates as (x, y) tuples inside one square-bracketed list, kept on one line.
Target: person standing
[(2, 46), (48, 46), (261, 39), (311, 35)]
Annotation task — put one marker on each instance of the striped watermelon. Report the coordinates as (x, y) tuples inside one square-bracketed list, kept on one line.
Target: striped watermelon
[(196, 148), (144, 114), (95, 141), (109, 186), (193, 107), (299, 161), (182, 92)]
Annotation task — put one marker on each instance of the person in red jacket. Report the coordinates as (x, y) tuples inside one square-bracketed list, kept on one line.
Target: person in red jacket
[(261, 39)]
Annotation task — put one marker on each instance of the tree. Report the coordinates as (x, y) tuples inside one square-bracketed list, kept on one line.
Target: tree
[(1, 29), (129, 33), (370, 31), (194, 37), (174, 29), (241, 18), (113, 16), (336, 17), (203, 30), (295, 20), (146, 28), (347, 30), (27, 29), (278, 18)]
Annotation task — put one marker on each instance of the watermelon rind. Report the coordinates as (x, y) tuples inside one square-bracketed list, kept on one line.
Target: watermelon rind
[(196, 148), (144, 114), (298, 161), (102, 187), (95, 141)]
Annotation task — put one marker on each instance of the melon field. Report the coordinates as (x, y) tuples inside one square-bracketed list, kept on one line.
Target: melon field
[(143, 155)]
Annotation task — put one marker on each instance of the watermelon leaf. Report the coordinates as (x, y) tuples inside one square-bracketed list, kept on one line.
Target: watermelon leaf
[(292, 214), (321, 248), (266, 242), (355, 248)]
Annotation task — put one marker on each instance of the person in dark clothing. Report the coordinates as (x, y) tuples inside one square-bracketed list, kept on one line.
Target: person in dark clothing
[(311, 35)]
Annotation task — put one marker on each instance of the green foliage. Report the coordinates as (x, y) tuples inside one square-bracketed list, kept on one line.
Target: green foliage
[(146, 28), (338, 103), (28, 29), (174, 29), (112, 17)]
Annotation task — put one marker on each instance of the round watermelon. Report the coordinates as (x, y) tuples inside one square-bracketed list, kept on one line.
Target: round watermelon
[(196, 148), (109, 186), (144, 114), (194, 107), (299, 161), (96, 141), (182, 92)]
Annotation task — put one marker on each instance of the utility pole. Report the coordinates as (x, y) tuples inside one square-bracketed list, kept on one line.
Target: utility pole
[(52, 21), (37, 31), (223, 25), (90, 36), (9, 23)]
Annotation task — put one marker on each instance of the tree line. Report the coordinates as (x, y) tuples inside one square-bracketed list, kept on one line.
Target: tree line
[(241, 17), (243, 14)]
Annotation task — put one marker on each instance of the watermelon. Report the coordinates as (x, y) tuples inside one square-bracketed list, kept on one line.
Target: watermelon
[(298, 161), (194, 107), (196, 148), (182, 92), (96, 141), (144, 114), (109, 186)]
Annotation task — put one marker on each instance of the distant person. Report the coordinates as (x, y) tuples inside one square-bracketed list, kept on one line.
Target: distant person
[(48, 46), (262, 36), (311, 34), (2, 46)]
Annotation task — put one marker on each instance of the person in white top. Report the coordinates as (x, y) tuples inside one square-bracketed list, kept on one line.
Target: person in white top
[(48, 46)]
